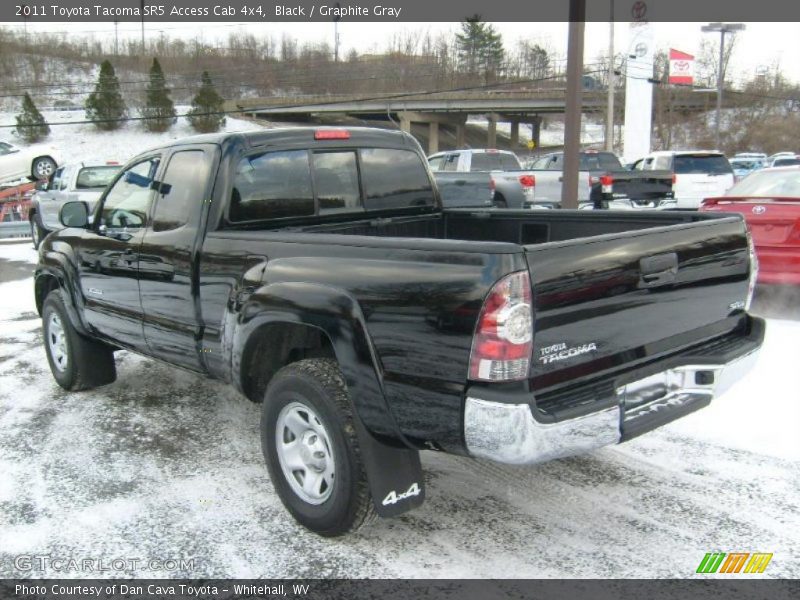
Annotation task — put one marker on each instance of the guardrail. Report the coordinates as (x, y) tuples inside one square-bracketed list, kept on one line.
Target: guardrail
[(13, 229)]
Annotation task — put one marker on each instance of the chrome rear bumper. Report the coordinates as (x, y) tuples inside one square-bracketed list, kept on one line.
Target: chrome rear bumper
[(509, 433)]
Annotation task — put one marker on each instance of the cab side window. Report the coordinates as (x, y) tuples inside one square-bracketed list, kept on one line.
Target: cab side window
[(128, 201), (181, 190)]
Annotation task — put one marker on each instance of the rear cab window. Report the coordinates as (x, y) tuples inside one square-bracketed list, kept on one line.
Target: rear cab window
[(91, 178), (494, 161), (302, 183), (712, 164)]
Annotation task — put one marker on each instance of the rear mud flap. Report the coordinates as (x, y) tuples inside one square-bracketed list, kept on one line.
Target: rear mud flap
[(394, 474)]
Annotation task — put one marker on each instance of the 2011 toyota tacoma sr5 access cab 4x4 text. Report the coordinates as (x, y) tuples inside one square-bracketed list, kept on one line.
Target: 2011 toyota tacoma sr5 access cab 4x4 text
[(315, 270)]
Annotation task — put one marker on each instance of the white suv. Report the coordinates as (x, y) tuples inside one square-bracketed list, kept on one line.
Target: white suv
[(696, 174)]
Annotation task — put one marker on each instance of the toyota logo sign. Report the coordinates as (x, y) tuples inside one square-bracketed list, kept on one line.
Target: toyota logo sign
[(759, 210)]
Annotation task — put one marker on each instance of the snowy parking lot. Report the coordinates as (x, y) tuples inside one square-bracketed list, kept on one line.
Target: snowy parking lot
[(164, 465)]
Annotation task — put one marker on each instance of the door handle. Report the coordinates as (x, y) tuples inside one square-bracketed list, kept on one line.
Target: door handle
[(658, 270)]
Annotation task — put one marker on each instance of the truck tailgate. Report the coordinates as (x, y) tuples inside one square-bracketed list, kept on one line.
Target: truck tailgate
[(617, 300)]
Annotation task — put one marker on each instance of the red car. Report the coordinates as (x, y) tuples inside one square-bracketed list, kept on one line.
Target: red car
[(769, 199)]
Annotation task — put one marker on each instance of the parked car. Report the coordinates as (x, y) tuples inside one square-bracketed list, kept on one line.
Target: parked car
[(785, 161), (315, 271), (743, 166), (771, 158), (485, 177), (603, 182), (770, 202), (79, 181), (697, 174), (35, 162)]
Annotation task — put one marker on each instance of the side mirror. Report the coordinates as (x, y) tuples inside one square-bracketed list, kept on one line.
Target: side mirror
[(74, 214)]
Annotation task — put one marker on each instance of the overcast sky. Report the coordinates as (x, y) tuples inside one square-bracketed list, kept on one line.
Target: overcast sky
[(760, 45)]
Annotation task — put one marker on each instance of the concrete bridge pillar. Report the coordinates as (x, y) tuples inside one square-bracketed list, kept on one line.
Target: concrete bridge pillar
[(536, 130), (405, 123), (514, 134), (491, 133), (433, 137), (461, 136)]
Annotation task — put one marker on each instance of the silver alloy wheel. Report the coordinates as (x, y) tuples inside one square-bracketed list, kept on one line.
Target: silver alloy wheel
[(57, 342), (43, 168), (35, 233), (304, 453)]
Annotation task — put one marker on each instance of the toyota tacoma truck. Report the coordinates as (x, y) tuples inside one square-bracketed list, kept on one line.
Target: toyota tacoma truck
[(603, 183), (316, 271)]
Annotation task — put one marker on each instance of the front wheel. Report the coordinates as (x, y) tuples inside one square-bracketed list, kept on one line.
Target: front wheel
[(38, 232), (77, 363), (42, 168), (309, 441)]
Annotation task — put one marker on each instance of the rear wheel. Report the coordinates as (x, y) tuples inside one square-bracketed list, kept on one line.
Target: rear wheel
[(310, 445), (38, 232), (42, 167), (77, 363), (499, 202)]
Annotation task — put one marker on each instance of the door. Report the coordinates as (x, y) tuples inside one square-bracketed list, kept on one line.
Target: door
[(109, 256), (171, 321), (13, 163), (51, 200)]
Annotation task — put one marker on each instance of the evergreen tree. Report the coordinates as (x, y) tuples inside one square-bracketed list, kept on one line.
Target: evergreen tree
[(105, 104), (159, 109), (207, 105), (480, 48), (31, 125)]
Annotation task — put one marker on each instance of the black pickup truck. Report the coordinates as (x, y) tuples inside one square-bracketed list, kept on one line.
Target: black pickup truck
[(315, 270)]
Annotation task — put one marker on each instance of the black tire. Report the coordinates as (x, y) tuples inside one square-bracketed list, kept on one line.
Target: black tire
[(318, 385), (499, 202), (88, 363), (42, 168), (38, 232)]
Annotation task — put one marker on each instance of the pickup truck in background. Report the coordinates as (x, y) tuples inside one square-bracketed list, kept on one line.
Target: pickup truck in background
[(492, 178), (603, 182), (696, 174), (79, 181), (316, 271)]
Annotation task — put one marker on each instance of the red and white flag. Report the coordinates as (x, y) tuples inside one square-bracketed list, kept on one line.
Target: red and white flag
[(681, 67)]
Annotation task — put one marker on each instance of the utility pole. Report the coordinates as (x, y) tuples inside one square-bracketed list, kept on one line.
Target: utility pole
[(611, 83), (116, 38), (572, 120), (143, 49), (337, 17), (722, 28)]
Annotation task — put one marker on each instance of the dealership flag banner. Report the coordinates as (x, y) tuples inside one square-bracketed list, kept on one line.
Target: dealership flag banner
[(681, 67)]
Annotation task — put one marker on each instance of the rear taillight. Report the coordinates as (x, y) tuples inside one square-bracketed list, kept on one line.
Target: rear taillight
[(674, 179), (503, 341), (607, 184), (527, 181), (751, 286)]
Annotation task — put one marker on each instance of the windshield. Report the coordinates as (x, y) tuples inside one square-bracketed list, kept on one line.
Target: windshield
[(95, 177), (712, 164), (768, 184)]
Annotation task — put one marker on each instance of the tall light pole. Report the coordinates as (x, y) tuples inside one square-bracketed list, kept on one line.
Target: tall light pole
[(722, 28), (611, 83)]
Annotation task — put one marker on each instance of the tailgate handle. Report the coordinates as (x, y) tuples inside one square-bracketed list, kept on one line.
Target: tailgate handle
[(657, 270)]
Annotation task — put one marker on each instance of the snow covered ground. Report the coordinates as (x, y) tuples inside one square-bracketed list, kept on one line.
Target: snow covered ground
[(164, 464), (84, 142)]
